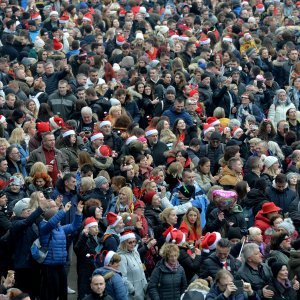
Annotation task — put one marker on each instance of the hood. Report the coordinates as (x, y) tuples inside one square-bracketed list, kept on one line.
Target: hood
[(237, 209), (261, 217), (134, 93), (277, 191), (286, 103), (102, 162), (253, 198), (277, 63)]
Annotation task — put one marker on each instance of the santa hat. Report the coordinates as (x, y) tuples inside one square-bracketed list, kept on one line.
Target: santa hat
[(113, 219), (208, 128), (227, 38), (69, 132), (205, 40), (105, 151), (53, 13), (104, 123), (88, 17), (236, 130), (57, 45), (260, 7), (131, 139), (212, 121), (64, 19), (120, 40), (122, 12), (210, 241), (2, 119), (184, 38), (56, 122), (90, 222), (36, 16), (151, 132), (126, 236), (96, 136), (108, 257), (43, 127), (174, 236)]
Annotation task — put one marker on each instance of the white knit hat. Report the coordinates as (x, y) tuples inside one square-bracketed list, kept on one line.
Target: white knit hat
[(270, 161)]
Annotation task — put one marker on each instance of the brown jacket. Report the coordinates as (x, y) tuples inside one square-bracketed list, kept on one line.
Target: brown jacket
[(38, 155), (229, 177)]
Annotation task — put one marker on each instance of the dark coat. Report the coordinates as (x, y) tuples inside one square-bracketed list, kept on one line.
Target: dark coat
[(283, 199), (221, 98), (5, 223), (165, 284), (52, 80), (23, 235), (212, 265), (133, 110), (251, 178), (281, 292), (152, 216), (257, 278), (157, 152), (94, 296)]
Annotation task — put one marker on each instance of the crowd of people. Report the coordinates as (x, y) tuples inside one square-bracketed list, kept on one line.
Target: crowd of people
[(154, 145)]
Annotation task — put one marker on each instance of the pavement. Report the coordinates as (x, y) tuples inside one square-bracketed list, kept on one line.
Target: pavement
[(72, 278)]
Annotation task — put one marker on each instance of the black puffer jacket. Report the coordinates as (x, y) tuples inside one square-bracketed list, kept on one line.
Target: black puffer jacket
[(165, 284), (212, 265), (152, 216), (255, 199)]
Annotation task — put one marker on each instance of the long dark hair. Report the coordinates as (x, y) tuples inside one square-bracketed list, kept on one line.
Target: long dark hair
[(44, 112)]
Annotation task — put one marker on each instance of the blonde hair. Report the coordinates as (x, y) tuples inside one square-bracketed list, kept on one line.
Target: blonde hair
[(167, 249), (128, 192), (197, 224), (16, 136), (3, 141), (38, 167), (87, 184), (164, 215), (253, 231), (28, 125)]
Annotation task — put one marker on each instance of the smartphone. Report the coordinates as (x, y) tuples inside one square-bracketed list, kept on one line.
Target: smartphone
[(240, 286), (259, 84)]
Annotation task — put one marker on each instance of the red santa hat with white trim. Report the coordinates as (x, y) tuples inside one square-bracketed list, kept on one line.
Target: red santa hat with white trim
[(120, 40), (212, 121), (113, 219), (236, 130), (2, 119), (90, 222), (174, 236), (108, 257), (204, 40), (208, 128), (210, 241), (126, 236)]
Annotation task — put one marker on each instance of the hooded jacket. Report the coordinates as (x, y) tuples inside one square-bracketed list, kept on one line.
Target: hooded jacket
[(261, 221), (172, 114)]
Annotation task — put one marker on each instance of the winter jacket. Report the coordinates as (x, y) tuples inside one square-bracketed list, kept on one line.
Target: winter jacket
[(133, 274), (35, 142), (24, 232), (261, 221), (114, 285), (152, 216), (283, 199), (133, 110), (52, 80), (294, 264), (71, 155), (111, 240), (204, 181), (173, 116), (229, 178), (257, 278), (277, 111), (251, 178), (67, 197), (294, 95), (62, 105), (268, 179), (205, 95), (212, 265), (38, 155), (216, 294), (254, 199), (94, 296), (234, 216), (166, 284), (226, 99), (5, 222), (157, 152), (53, 233), (252, 109), (280, 255), (294, 213), (281, 292)]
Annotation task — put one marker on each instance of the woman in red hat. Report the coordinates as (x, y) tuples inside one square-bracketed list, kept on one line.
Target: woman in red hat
[(263, 217)]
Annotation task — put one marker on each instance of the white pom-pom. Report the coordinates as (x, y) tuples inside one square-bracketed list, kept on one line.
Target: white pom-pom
[(88, 255), (174, 241)]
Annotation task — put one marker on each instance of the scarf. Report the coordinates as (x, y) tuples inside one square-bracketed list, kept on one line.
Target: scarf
[(173, 268)]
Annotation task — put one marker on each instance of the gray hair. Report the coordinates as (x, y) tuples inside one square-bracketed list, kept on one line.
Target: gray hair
[(224, 243), (251, 118), (280, 91), (234, 123), (87, 110), (248, 251)]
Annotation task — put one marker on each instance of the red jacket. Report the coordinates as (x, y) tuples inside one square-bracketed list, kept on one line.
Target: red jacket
[(191, 235), (261, 222)]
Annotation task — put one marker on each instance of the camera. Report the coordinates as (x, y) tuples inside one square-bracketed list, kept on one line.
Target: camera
[(244, 232), (47, 192)]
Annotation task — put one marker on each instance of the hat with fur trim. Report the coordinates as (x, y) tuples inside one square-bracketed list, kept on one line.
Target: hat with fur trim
[(90, 222), (210, 241), (113, 219), (126, 236)]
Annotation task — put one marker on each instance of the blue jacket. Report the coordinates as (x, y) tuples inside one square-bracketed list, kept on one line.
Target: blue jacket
[(24, 153), (216, 294), (115, 286), (57, 250), (173, 115), (67, 197)]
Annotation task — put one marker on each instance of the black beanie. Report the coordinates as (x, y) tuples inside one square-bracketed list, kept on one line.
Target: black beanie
[(234, 233), (275, 266), (187, 190)]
